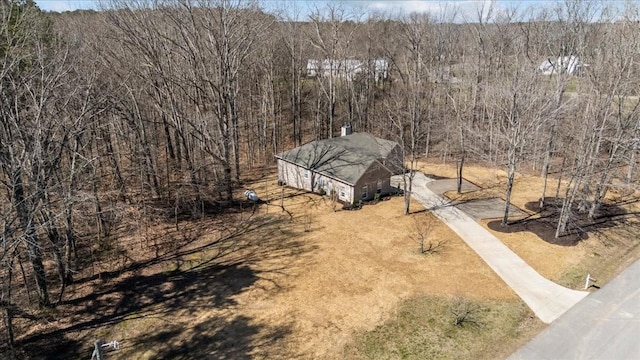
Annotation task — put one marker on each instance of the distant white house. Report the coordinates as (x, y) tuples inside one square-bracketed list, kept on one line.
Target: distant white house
[(569, 64), (381, 69), (346, 68)]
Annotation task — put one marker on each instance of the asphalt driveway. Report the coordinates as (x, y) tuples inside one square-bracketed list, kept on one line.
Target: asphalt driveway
[(605, 325)]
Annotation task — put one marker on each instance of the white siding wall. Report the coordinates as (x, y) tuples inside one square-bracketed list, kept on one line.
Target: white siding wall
[(294, 176)]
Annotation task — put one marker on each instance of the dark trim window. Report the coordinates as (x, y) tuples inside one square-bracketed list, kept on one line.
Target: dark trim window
[(365, 189)]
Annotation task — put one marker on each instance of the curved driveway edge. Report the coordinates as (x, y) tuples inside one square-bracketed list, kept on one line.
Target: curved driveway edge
[(547, 299), (606, 325)]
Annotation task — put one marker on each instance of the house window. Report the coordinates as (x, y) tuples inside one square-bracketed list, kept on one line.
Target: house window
[(319, 186), (306, 174), (364, 191), (343, 192)]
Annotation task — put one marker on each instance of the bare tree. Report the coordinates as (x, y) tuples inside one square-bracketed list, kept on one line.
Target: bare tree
[(423, 229), (195, 53), (291, 29), (519, 116), (464, 312), (615, 83), (29, 148), (564, 39), (409, 110), (331, 35), (47, 106)]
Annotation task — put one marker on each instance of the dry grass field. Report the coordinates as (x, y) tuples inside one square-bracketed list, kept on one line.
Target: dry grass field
[(313, 282), (309, 282)]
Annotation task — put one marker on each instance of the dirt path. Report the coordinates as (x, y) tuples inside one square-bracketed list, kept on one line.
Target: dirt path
[(547, 299)]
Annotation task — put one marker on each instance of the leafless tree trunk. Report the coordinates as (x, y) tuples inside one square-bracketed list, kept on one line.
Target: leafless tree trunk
[(331, 37)]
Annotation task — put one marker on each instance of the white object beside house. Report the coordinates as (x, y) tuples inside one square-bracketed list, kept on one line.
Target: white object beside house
[(251, 195)]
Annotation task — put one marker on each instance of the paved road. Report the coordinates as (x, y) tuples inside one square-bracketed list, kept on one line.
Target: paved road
[(605, 325), (547, 299)]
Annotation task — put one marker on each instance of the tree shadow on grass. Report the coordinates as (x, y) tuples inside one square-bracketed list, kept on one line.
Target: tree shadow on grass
[(138, 296), (175, 289), (172, 210), (212, 338), (178, 246), (543, 223)]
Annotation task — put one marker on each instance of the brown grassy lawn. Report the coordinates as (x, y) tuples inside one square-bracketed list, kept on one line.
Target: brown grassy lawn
[(349, 272), (604, 253), (309, 282), (272, 286)]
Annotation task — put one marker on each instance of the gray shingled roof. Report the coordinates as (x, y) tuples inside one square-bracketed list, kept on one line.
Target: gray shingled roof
[(344, 158)]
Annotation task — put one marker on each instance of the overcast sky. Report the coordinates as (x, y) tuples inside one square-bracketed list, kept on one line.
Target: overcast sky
[(467, 9), (404, 5)]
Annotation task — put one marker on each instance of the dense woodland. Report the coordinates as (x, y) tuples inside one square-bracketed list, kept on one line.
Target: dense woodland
[(174, 102)]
